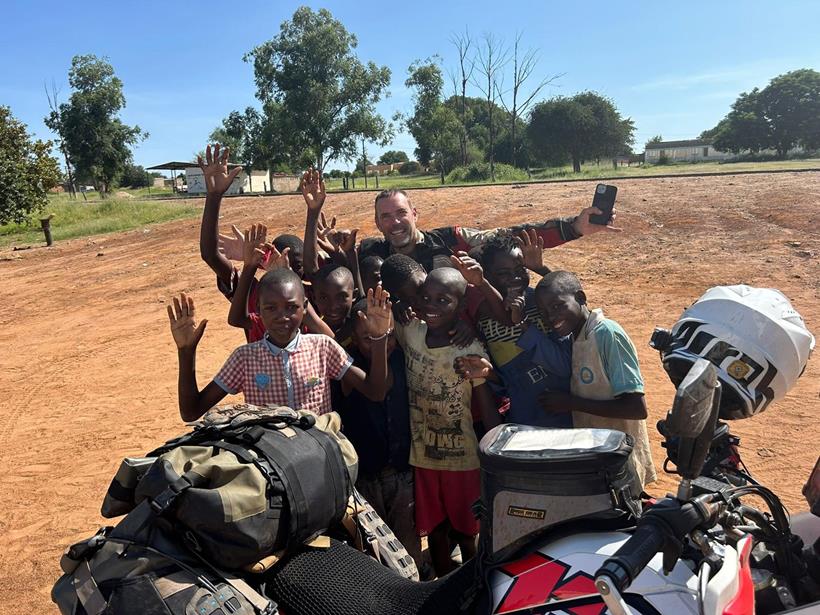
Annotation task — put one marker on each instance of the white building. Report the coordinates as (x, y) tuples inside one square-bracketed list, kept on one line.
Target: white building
[(259, 181), (693, 150)]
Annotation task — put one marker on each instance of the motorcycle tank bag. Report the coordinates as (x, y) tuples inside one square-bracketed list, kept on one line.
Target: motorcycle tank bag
[(534, 478), (247, 483)]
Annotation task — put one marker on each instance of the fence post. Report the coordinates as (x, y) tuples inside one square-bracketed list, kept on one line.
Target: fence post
[(46, 224)]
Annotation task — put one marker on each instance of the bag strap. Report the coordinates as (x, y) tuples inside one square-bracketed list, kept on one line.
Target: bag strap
[(87, 590)]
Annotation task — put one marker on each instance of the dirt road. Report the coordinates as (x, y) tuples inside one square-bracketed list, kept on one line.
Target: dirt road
[(88, 367)]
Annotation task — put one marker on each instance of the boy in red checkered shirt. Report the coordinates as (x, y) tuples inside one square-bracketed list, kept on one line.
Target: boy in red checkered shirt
[(287, 367)]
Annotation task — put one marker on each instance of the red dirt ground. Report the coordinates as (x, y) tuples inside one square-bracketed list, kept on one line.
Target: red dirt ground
[(88, 368)]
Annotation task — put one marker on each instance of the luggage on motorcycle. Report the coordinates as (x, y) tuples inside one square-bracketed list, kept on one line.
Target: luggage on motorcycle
[(534, 478), (106, 574), (246, 483)]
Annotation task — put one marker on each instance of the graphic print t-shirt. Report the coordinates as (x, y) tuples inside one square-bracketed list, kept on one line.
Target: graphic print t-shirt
[(441, 425)]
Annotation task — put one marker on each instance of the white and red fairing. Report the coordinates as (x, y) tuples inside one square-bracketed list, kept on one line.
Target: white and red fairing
[(557, 577)]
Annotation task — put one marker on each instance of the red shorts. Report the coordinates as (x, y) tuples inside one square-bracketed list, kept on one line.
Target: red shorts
[(446, 495)]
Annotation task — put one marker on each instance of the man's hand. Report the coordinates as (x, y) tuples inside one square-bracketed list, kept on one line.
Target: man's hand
[(183, 327), (532, 247), (556, 402), (462, 334), (232, 246), (215, 170), (313, 189), (473, 366), (469, 268), (582, 226), (253, 246), (378, 321)]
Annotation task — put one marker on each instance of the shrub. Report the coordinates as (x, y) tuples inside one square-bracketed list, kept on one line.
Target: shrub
[(480, 172), (410, 168)]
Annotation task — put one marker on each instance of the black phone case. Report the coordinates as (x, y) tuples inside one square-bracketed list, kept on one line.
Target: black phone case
[(605, 201)]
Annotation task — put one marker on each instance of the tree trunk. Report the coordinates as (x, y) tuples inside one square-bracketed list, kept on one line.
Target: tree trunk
[(576, 164)]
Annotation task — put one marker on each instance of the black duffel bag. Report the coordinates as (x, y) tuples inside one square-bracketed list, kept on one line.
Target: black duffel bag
[(246, 484)]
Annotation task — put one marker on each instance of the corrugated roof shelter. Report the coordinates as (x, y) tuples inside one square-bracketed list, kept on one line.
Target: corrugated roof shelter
[(689, 150)]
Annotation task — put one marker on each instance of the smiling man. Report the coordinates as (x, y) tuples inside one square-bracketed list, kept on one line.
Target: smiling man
[(396, 218)]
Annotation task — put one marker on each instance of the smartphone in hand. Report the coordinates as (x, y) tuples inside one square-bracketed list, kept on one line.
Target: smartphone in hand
[(604, 200)]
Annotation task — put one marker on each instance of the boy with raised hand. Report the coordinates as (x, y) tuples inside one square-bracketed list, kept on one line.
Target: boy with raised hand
[(444, 449), (606, 386), (244, 311), (505, 260), (287, 367), (380, 432)]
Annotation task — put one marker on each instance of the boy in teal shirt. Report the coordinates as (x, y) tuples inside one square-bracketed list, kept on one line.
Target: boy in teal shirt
[(606, 387)]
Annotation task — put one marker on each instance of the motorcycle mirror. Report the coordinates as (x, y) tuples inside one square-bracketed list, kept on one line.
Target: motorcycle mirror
[(693, 417)]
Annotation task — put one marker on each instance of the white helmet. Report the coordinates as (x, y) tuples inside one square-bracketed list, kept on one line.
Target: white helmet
[(755, 338)]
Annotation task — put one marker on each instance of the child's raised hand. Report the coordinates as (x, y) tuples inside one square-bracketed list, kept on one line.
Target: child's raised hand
[(515, 305), (274, 259), (379, 318), (232, 246), (253, 253), (469, 268), (323, 229), (532, 246), (472, 366), (313, 189), (215, 170), (183, 327)]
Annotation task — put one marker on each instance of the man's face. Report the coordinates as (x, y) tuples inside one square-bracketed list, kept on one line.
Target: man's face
[(396, 219)]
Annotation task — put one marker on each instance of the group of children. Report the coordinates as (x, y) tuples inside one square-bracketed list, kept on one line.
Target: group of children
[(419, 363)]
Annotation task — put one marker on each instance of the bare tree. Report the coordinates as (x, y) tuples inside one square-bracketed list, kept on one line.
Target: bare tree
[(466, 64), (54, 122), (523, 67), (491, 58)]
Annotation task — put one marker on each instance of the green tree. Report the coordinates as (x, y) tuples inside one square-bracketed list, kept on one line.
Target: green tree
[(435, 126), (97, 141), (27, 170), (655, 139), (783, 115), (584, 127), (392, 157), (135, 176), (243, 133), (326, 96), (745, 128), (362, 164)]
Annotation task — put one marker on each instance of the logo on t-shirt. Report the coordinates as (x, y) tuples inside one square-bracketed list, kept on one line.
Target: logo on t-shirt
[(586, 375), (262, 380)]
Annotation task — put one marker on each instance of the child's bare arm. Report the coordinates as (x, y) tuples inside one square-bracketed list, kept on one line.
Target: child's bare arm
[(313, 191), (217, 181), (474, 274), (378, 324), (193, 403), (627, 406), (486, 406), (252, 254), (315, 324)]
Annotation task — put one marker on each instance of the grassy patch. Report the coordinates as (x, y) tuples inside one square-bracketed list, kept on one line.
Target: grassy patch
[(80, 219)]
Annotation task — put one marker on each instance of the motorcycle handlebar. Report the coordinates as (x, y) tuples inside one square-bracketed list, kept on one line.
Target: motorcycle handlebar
[(662, 528), (633, 556)]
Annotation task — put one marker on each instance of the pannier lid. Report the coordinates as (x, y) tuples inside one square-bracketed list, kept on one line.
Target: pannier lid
[(514, 441)]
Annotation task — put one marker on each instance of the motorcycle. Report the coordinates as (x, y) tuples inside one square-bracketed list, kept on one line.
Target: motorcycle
[(706, 550)]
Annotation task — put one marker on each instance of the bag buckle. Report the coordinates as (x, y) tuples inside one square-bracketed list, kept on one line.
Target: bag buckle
[(166, 497)]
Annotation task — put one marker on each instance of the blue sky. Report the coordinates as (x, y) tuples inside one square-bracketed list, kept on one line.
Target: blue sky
[(673, 68)]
